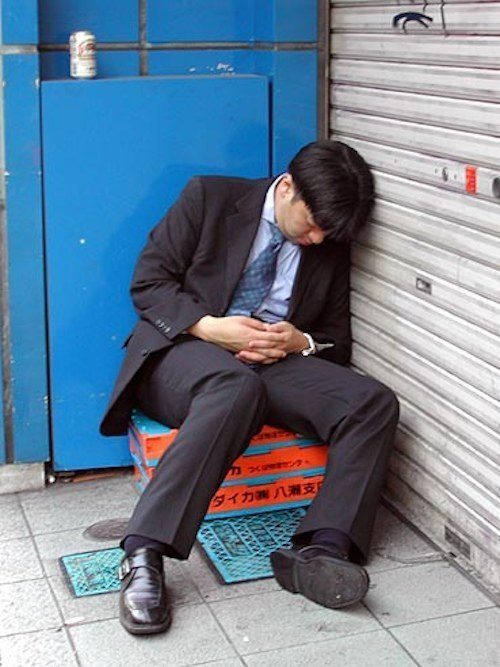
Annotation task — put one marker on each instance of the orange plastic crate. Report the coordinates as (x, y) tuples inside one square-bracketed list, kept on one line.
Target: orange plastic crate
[(151, 439), (152, 445), (279, 468), (139, 463), (237, 499), (283, 460), (263, 496), (271, 434)]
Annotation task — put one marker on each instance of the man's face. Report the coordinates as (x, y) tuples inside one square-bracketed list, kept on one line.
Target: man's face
[(293, 217)]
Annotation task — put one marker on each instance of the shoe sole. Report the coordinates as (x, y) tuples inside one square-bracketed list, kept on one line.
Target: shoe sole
[(140, 629), (330, 582)]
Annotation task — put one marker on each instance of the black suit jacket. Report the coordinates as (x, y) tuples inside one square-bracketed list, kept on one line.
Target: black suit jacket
[(190, 267)]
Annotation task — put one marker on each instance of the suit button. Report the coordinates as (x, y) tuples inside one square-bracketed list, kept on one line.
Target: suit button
[(144, 352)]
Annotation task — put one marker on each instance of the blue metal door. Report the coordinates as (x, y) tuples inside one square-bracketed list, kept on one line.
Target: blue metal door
[(116, 153)]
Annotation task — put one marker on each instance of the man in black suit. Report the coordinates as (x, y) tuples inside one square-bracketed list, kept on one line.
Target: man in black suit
[(243, 296)]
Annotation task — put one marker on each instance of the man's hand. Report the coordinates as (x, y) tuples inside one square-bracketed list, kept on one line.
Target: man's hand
[(237, 332), (266, 351)]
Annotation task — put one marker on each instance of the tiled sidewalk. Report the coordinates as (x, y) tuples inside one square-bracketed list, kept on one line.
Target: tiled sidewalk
[(419, 610)]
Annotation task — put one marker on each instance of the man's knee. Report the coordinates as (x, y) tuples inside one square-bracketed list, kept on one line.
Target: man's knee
[(248, 400), (245, 386), (252, 388)]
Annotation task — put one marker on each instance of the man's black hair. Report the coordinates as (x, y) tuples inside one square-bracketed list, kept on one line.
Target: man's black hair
[(336, 185)]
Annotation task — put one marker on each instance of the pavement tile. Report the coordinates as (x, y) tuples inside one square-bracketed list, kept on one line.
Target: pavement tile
[(421, 592), (210, 587), (12, 522), (396, 545), (19, 561), (194, 638), (37, 649), (376, 649), (65, 506), (279, 619), (85, 609), (465, 640), (27, 606)]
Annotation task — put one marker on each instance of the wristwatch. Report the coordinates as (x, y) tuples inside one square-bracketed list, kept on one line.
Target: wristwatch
[(311, 349), (314, 347)]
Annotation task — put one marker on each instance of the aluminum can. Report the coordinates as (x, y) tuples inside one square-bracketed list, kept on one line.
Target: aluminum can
[(82, 54)]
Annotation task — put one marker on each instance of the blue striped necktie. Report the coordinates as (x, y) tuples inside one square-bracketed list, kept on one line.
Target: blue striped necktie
[(258, 277)]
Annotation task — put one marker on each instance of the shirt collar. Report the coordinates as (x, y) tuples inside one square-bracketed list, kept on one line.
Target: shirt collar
[(268, 209)]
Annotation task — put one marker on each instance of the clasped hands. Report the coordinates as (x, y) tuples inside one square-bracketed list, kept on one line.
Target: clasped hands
[(251, 340)]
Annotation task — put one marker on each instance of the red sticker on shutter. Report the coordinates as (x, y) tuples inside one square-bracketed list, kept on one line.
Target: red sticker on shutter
[(471, 180)]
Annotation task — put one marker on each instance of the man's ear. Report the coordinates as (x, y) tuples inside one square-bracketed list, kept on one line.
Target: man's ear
[(286, 185)]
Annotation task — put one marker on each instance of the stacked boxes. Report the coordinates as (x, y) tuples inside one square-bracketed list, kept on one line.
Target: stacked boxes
[(278, 470)]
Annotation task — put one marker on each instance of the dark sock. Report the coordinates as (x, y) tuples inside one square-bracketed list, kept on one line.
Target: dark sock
[(133, 542), (332, 538)]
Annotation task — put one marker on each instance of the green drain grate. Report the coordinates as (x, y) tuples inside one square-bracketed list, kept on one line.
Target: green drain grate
[(237, 547), (92, 572)]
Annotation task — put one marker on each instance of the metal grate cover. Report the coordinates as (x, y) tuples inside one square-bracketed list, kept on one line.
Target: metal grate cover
[(239, 547), (92, 572)]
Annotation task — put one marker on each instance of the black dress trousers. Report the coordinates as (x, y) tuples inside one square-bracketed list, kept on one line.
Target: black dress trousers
[(219, 403)]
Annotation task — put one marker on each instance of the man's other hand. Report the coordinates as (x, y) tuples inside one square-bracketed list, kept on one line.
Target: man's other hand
[(263, 351), (237, 332)]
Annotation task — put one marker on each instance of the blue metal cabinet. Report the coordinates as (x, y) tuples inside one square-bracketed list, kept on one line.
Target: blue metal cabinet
[(116, 154)]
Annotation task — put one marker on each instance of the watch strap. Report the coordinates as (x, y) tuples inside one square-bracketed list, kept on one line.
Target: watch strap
[(311, 349)]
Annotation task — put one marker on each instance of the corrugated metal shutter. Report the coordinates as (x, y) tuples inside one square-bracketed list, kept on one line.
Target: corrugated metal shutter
[(422, 106)]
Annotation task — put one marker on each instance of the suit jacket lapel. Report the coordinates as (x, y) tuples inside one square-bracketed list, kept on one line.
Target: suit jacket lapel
[(310, 261), (241, 228)]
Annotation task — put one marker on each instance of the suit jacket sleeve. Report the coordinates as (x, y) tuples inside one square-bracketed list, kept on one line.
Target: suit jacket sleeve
[(334, 324), (156, 287)]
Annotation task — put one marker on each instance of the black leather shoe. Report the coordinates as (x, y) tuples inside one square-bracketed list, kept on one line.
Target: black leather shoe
[(144, 607), (321, 574)]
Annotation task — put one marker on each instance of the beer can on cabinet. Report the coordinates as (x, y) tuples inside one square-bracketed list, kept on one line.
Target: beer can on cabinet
[(82, 55)]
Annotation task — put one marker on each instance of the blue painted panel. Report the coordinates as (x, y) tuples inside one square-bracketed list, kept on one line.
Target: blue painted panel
[(286, 20), (294, 104), (232, 20), (25, 253), (147, 137), (55, 64), (204, 61), (195, 21), (19, 21), (296, 20), (110, 21)]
